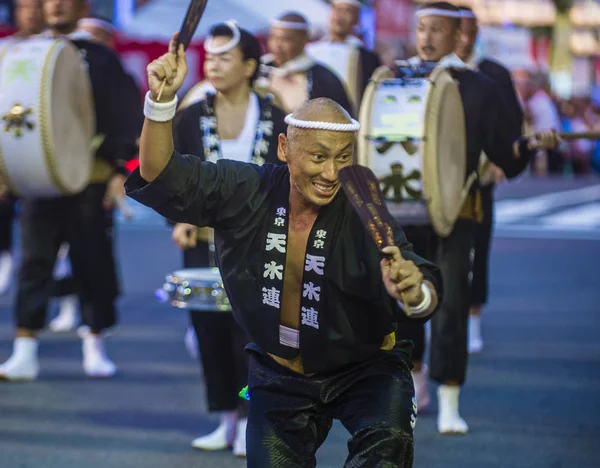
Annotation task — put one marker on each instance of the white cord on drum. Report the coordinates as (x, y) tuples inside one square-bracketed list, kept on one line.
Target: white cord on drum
[(354, 126)]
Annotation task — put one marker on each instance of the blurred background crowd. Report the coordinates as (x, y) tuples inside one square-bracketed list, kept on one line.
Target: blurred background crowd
[(552, 47)]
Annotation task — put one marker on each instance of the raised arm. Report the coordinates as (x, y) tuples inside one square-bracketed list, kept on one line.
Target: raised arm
[(156, 141)]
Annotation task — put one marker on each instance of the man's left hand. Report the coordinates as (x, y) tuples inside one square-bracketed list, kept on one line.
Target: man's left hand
[(401, 277)]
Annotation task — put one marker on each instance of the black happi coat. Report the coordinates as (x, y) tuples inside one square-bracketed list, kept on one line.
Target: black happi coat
[(501, 76), (491, 124), (322, 82), (118, 104), (193, 132), (345, 309)]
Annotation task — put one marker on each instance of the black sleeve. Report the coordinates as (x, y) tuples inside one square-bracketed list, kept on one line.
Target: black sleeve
[(430, 273), (370, 63), (501, 76), (500, 132), (222, 195)]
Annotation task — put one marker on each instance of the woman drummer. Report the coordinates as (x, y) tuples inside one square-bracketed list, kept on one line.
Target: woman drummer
[(232, 123)]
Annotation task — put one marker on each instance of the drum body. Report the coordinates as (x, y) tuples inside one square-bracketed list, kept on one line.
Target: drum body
[(197, 289), (48, 119), (413, 137)]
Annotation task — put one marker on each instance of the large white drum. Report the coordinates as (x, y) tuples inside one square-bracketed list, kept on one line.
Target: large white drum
[(413, 137), (48, 120), (198, 289)]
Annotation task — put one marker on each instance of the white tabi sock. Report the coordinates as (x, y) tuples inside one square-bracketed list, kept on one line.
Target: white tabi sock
[(23, 364), (475, 338), (67, 314), (239, 446), (95, 361), (449, 421), (222, 437)]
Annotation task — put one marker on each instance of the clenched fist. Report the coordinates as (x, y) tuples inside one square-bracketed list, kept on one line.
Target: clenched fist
[(172, 66), (401, 277), (184, 235), (545, 139)]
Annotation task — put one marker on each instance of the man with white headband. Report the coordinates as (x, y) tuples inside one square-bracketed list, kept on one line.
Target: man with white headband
[(490, 127), (305, 280), (289, 73), (490, 174), (344, 53)]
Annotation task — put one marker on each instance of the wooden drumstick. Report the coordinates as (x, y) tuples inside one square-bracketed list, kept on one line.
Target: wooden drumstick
[(188, 28), (582, 136), (573, 136)]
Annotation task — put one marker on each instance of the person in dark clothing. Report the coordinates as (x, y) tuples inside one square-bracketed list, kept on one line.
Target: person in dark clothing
[(489, 176), (84, 220), (317, 299), (233, 123)]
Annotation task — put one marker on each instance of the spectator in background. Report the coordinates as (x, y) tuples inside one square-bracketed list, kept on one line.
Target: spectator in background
[(28, 16), (578, 153), (540, 113)]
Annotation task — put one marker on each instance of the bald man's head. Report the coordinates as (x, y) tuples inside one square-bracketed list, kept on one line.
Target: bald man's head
[(315, 156), (317, 110)]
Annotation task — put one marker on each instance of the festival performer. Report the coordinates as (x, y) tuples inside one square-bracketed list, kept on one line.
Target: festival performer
[(83, 220), (68, 317), (490, 127), (344, 53), (233, 123), (489, 176), (289, 73), (28, 17), (316, 297)]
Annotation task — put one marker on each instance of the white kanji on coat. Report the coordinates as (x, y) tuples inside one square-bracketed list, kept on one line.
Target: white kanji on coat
[(321, 234), (281, 211), (272, 270), (318, 244), (279, 221), (276, 241), (312, 292), (315, 263), (310, 317), (271, 297)]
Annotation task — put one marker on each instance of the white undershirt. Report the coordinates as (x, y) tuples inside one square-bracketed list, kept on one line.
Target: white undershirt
[(241, 148)]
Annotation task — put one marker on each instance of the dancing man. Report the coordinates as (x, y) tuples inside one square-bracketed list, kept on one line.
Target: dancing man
[(318, 300)]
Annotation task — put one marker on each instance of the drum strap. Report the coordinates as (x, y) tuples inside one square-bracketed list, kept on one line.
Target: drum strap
[(472, 208)]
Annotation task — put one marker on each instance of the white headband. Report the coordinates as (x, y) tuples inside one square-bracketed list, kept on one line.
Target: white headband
[(98, 23), (354, 126), (235, 40), (355, 3), (276, 23), (467, 14), (438, 12)]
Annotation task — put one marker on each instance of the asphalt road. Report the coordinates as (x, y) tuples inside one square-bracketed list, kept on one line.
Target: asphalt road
[(532, 398)]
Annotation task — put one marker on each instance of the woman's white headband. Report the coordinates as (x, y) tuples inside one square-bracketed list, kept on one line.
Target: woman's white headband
[(235, 40), (438, 12), (289, 25), (355, 3), (354, 126)]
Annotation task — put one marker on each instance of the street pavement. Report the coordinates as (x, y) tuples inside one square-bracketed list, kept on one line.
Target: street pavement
[(532, 398)]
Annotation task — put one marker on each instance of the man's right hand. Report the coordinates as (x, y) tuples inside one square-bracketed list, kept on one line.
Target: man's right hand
[(173, 67), (184, 235)]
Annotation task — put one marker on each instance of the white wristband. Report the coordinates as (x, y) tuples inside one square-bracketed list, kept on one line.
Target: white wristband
[(423, 306), (159, 111)]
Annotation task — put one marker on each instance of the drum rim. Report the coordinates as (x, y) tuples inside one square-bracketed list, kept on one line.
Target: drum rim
[(3, 169), (441, 223)]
